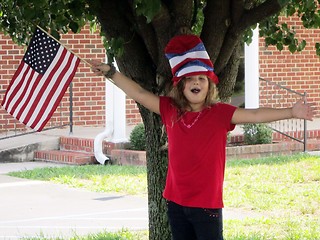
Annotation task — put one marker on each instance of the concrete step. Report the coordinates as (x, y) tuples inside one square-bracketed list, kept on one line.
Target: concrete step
[(21, 149), (68, 157)]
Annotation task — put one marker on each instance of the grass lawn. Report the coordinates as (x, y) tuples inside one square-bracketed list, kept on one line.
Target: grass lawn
[(284, 191), (281, 193)]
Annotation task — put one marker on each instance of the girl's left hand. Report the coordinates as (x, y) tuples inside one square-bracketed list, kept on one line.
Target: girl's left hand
[(303, 110)]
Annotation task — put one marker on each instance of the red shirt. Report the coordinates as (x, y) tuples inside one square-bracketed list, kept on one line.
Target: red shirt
[(197, 155)]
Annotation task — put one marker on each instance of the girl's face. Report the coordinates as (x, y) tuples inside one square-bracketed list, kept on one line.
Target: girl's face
[(196, 90)]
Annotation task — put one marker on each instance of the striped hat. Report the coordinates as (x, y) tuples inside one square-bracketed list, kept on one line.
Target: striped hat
[(188, 57)]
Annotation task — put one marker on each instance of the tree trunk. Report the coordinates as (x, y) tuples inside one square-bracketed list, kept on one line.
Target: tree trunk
[(157, 162), (143, 60)]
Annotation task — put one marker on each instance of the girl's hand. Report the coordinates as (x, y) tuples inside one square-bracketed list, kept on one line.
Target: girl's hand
[(99, 68), (303, 110)]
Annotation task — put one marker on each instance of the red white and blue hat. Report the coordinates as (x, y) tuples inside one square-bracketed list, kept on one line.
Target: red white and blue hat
[(188, 57)]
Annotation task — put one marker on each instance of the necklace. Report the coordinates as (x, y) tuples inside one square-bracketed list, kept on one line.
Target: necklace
[(194, 121)]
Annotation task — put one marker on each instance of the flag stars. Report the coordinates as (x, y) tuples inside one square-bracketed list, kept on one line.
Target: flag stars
[(41, 52)]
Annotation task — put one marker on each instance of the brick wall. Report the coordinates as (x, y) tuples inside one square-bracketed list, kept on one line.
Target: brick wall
[(88, 89), (299, 71), (10, 56)]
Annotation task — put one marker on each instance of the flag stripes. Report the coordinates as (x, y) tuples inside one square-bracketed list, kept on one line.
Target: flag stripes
[(33, 95)]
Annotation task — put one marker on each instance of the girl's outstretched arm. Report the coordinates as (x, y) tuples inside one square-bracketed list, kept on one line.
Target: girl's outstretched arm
[(299, 110), (130, 87)]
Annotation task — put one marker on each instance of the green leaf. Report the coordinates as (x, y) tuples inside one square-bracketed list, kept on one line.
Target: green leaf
[(29, 14), (147, 8), (292, 48), (302, 45), (75, 9), (74, 27), (270, 41), (56, 7), (247, 37), (282, 3), (317, 49), (290, 10), (279, 46), (114, 47), (61, 19), (285, 27), (55, 34), (287, 41), (310, 4), (317, 19)]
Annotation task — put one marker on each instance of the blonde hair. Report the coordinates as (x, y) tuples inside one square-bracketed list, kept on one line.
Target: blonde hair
[(181, 101)]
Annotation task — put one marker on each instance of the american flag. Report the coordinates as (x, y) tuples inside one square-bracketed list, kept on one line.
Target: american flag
[(40, 81)]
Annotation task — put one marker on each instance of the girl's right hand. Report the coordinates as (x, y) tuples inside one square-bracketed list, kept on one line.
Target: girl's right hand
[(99, 68)]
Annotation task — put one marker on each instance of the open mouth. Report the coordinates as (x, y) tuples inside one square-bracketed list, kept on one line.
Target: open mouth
[(195, 90)]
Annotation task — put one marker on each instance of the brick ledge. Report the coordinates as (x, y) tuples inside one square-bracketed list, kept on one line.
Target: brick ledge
[(130, 157)]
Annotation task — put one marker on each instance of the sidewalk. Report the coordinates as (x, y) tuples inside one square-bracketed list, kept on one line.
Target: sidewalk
[(34, 208)]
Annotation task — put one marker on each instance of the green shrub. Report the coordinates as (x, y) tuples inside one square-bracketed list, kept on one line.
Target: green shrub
[(257, 133), (138, 138)]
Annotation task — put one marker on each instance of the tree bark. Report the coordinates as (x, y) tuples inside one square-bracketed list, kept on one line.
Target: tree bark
[(157, 162)]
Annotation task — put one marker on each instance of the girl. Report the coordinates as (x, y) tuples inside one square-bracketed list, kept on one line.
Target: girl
[(197, 128)]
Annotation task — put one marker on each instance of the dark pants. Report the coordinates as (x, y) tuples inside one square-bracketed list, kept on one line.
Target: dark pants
[(189, 223)]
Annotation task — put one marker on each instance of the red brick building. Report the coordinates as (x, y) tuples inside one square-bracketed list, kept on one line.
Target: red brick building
[(299, 71)]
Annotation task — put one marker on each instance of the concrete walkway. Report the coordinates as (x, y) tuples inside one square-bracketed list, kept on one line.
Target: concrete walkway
[(30, 208)]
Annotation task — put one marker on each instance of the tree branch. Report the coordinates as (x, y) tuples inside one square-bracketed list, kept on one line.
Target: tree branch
[(113, 21), (161, 25), (249, 18), (237, 9), (259, 13), (231, 40), (215, 26), (183, 12), (229, 74)]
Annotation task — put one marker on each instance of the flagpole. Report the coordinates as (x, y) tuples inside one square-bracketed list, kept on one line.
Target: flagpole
[(82, 59)]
